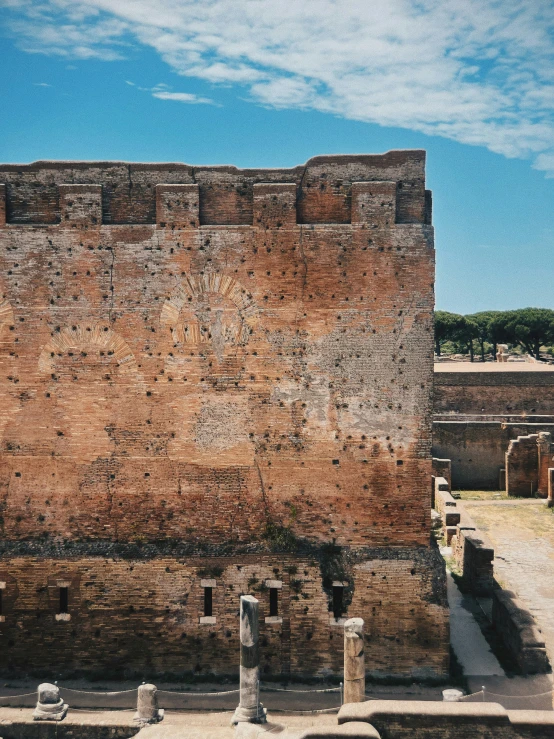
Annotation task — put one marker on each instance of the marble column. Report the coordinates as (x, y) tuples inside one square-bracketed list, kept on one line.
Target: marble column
[(354, 661), (249, 709)]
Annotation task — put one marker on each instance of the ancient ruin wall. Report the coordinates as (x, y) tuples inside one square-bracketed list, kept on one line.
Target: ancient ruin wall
[(197, 364), (225, 366), (494, 393), (134, 615)]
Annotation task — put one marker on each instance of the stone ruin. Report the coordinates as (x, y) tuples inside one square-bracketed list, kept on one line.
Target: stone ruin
[(217, 382)]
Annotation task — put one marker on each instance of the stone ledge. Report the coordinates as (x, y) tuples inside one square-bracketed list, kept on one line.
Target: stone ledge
[(352, 729)]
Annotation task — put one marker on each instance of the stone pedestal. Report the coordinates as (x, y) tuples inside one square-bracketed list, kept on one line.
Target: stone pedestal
[(452, 695), (50, 707), (147, 705), (249, 709), (354, 661)]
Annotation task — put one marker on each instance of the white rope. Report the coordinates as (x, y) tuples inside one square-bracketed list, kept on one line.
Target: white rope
[(321, 710), (502, 695), (23, 695), (292, 690), (471, 695), (102, 710), (198, 695), (98, 692)]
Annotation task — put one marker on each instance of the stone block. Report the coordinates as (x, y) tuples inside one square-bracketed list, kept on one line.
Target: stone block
[(274, 205), (178, 206), (374, 204), (81, 206), (519, 632)]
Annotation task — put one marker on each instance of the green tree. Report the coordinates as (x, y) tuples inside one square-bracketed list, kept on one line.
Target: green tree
[(447, 327), (531, 328), (466, 332), (484, 320)]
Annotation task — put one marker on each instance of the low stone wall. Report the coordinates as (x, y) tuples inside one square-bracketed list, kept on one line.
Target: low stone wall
[(17, 724), (519, 632), (474, 558), (446, 507), (443, 468), (436, 720)]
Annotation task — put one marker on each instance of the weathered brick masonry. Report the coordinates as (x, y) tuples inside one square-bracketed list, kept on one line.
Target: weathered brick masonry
[(217, 378)]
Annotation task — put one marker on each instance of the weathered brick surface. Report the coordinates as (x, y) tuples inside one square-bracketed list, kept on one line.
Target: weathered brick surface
[(436, 720), (137, 612), (493, 393), (477, 447), (519, 632), (522, 466), (253, 368)]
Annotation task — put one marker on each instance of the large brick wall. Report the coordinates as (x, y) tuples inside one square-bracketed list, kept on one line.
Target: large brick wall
[(494, 393), (477, 413), (217, 359)]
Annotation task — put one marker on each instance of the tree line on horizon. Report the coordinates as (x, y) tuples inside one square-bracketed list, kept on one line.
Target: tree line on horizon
[(530, 329)]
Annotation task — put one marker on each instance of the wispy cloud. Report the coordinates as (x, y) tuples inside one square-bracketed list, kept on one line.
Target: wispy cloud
[(182, 97), (477, 71), (41, 84), (163, 92)]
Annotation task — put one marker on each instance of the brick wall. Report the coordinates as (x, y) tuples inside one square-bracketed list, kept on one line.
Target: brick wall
[(218, 358), (477, 448), (133, 611), (436, 720), (489, 393)]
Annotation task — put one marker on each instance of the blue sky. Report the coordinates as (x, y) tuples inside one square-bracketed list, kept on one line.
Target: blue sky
[(244, 82)]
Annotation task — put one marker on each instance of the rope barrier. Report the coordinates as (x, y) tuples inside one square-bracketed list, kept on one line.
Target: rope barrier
[(502, 695), (98, 692), (102, 710), (289, 690), (23, 695), (336, 709), (470, 695), (198, 695)]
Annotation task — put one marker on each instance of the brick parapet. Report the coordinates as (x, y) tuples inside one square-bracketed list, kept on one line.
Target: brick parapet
[(226, 194)]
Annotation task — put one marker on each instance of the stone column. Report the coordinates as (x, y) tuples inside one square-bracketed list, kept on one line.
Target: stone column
[(50, 707), (249, 708), (147, 705), (550, 499), (354, 661)]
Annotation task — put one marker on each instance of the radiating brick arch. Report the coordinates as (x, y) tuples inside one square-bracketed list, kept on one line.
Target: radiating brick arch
[(6, 315), (87, 335), (193, 287)]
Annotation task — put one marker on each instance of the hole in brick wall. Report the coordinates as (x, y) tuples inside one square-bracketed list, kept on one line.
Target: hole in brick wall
[(64, 600), (338, 600), (273, 602), (208, 602)]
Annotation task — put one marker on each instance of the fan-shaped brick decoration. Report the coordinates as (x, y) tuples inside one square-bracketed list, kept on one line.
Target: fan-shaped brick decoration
[(187, 330), (87, 335)]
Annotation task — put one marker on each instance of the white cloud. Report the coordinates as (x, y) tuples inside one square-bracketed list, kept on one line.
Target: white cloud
[(182, 97), (41, 84), (161, 91), (477, 71)]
